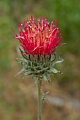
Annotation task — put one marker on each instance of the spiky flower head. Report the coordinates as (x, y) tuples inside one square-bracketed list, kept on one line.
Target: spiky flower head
[(38, 36), (39, 39)]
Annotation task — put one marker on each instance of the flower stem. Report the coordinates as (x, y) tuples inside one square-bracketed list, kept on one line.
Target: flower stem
[(39, 100)]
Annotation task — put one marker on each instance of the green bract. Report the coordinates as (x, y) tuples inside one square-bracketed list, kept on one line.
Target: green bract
[(39, 66)]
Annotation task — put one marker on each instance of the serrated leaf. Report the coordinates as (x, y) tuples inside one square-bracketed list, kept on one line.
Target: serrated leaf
[(53, 70)]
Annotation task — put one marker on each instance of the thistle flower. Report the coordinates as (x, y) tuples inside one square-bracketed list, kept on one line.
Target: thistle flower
[(39, 39), (38, 36)]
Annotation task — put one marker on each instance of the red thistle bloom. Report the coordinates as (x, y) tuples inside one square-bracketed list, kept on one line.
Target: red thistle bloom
[(38, 36)]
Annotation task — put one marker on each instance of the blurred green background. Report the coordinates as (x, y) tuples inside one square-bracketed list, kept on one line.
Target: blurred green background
[(17, 99)]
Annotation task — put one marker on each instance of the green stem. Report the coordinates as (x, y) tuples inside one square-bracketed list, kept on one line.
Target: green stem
[(39, 100)]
